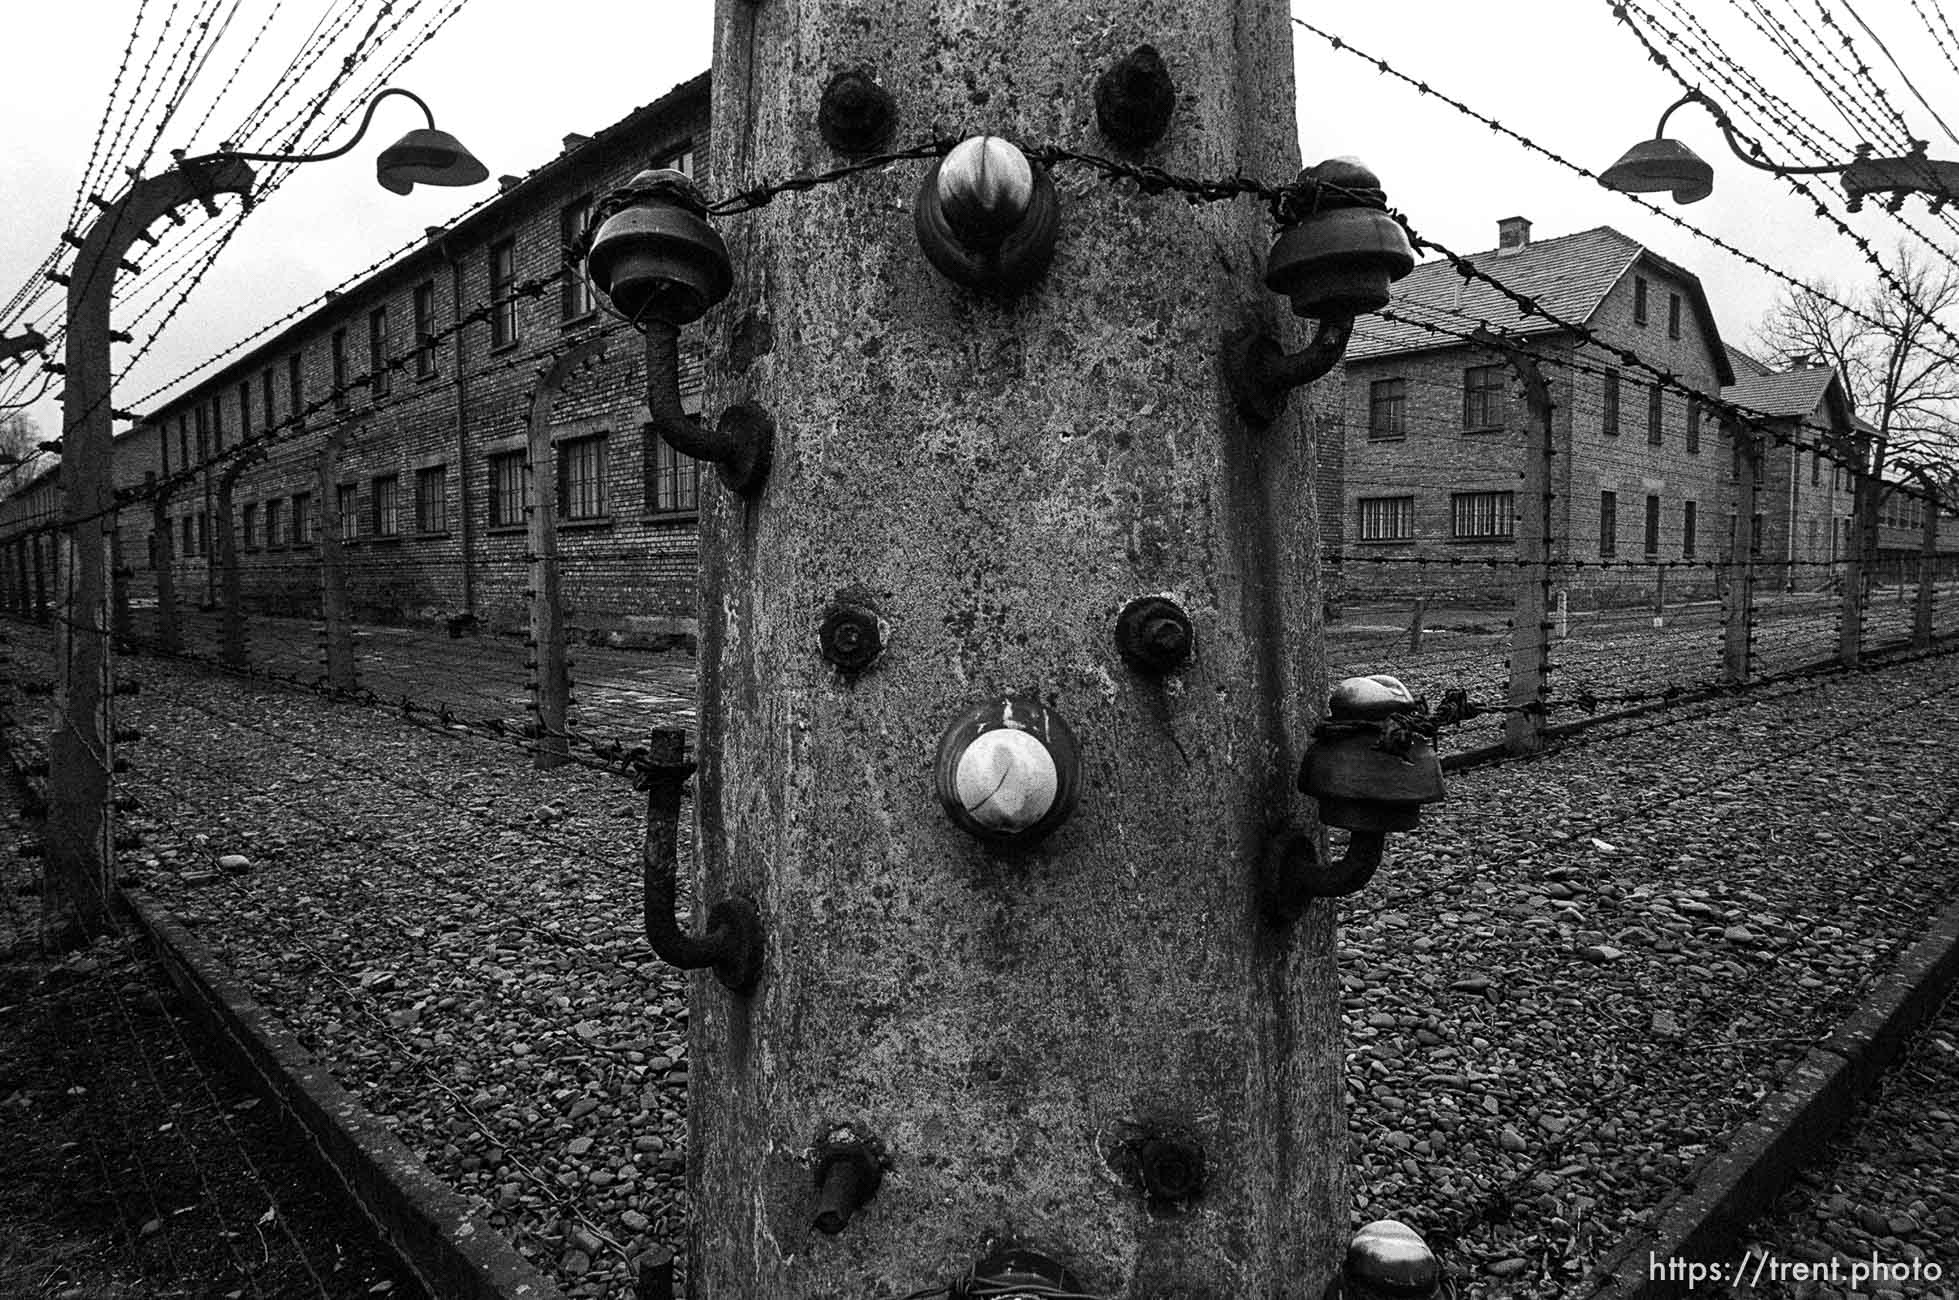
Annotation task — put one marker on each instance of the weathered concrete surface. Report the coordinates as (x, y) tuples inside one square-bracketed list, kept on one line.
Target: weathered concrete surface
[(998, 479)]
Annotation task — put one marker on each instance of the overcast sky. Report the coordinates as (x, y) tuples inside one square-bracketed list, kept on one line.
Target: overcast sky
[(511, 77)]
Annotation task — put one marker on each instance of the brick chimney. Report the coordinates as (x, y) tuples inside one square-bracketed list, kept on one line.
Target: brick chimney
[(1512, 234), (574, 140)]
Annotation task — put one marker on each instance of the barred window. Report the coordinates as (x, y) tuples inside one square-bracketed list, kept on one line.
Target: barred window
[(1482, 397), (337, 355), (383, 510), (248, 526), (302, 519), (379, 376), (503, 285), (1608, 523), (1482, 514), (1387, 408), (1610, 425), (1387, 519), (507, 489), (575, 292), (424, 305), (275, 523), (581, 478), (672, 480), (432, 499), (348, 498)]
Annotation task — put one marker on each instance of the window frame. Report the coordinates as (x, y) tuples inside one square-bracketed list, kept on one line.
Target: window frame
[(248, 526), (1655, 415), (1397, 511), (347, 497), (439, 514), (666, 468), (304, 527), (275, 527), (1608, 523), (337, 368), (502, 262), (380, 379), (1673, 315), (1694, 415), (384, 507), (1609, 396), (586, 453), (1491, 397), (1639, 300), (575, 295), (502, 495), (1494, 509), (1387, 397), (1689, 528), (421, 305), (1651, 532)]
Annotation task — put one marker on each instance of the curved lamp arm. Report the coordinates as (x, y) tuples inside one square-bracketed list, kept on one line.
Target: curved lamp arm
[(1734, 145), (366, 118)]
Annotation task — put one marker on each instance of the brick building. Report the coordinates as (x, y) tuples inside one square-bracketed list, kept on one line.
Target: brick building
[(422, 372), (1432, 455), (1804, 499)]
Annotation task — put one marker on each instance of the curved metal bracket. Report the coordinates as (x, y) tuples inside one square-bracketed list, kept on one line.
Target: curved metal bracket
[(732, 946), (1295, 876), (741, 446), (1261, 374)]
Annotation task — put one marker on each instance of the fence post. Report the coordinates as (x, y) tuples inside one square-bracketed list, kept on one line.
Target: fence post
[(1415, 625), (168, 639), (1738, 628), (1928, 564), (232, 649), (1523, 724), (336, 628), (1660, 595), (550, 679)]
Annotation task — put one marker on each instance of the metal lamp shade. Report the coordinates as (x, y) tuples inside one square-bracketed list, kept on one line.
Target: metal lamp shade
[(1661, 164), (430, 157)]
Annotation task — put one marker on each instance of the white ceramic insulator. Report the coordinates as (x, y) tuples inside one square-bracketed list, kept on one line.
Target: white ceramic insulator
[(1006, 779), (985, 183)]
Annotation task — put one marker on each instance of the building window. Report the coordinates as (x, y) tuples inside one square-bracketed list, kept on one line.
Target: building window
[(1652, 525), (1673, 315), (190, 537), (1815, 469), (1611, 420), (1639, 300), (680, 160), (302, 519), (265, 386), (1688, 522), (672, 480), (248, 526), (295, 386), (383, 514), (424, 306), (575, 292), (1693, 425), (507, 490), (217, 424), (347, 496), (503, 285), (183, 442), (1655, 408), (581, 478), (202, 418), (337, 354), (275, 523), (245, 409), (1608, 523), (1482, 397), (1482, 515), (379, 376), (432, 499), (1387, 519), (1387, 408)]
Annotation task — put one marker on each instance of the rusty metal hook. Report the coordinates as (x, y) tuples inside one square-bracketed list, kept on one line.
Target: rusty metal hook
[(1294, 874), (732, 946)]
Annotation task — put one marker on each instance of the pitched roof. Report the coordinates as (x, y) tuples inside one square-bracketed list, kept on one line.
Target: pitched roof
[(1796, 392), (1745, 364), (1567, 275)]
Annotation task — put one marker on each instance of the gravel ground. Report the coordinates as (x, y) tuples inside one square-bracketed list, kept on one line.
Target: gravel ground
[(1887, 1195), (1561, 993)]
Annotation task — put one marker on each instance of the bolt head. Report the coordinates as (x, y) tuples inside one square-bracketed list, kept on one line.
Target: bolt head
[(850, 638), (1154, 635)]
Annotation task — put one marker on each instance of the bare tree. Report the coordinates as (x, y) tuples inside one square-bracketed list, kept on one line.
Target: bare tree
[(1896, 360)]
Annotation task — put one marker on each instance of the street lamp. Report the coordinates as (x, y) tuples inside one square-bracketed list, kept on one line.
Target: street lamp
[(1664, 164), (80, 844)]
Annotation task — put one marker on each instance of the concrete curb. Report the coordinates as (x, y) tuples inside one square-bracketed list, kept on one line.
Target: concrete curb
[(1703, 1223), (435, 1232)]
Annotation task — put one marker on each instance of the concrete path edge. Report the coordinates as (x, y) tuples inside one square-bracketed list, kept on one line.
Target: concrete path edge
[(436, 1233), (1703, 1222)]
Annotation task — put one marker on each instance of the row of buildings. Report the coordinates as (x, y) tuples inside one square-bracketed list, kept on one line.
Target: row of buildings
[(425, 395)]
